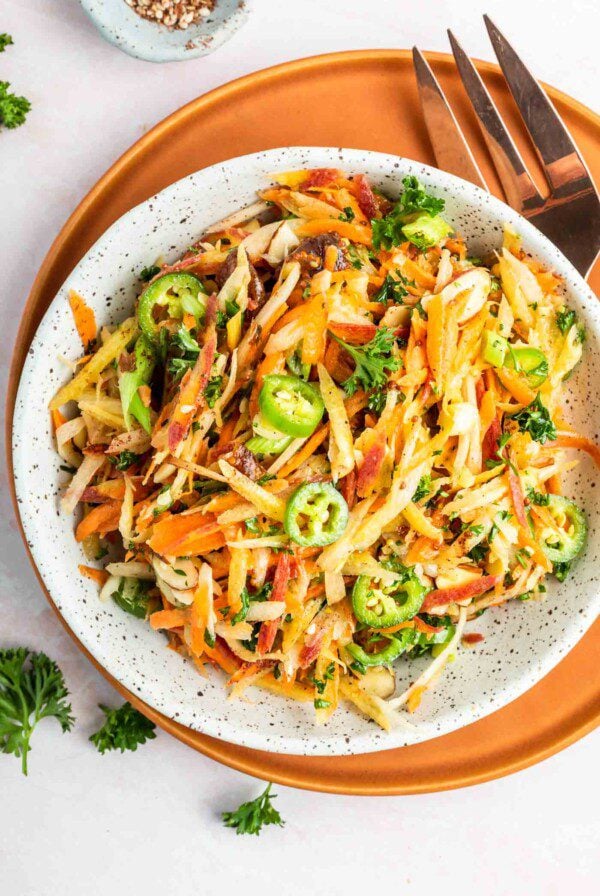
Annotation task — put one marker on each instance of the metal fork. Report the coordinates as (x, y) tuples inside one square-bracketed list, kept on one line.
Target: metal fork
[(570, 214)]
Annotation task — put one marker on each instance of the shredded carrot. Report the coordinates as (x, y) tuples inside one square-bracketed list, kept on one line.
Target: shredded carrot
[(84, 318), (102, 519), (305, 452), (169, 618), (99, 576), (57, 418)]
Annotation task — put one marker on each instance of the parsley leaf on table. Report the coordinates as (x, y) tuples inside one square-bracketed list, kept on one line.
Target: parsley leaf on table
[(32, 688), (251, 817), (13, 109), (372, 361), (124, 729), (5, 40)]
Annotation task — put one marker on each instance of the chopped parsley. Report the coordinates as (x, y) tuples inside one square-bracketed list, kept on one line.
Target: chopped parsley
[(247, 598), (535, 419), (347, 214), (373, 361), (423, 488), (147, 274), (413, 203), (5, 41), (213, 390), (321, 704), (392, 290), (124, 460), (187, 349), (377, 399), (565, 319), (539, 498), (562, 570)]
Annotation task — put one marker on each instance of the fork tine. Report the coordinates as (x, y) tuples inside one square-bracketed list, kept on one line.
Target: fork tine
[(558, 153), (521, 191), (452, 152)]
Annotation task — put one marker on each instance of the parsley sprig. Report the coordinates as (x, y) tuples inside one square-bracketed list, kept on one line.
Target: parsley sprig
[(392, 290), (13, 108), (123, 729), (535, 419), (251, 817), (373, 361), (414, 201), (32, 688)]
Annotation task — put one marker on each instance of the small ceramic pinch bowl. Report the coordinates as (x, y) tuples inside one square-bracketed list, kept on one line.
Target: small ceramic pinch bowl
[(120, 25), (524, 640)]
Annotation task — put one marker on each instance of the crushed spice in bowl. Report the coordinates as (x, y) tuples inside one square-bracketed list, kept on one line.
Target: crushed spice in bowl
[(173, 14)]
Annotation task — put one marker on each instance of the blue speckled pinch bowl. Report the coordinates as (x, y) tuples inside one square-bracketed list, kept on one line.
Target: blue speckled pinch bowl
[(524, 640), (138, 37)]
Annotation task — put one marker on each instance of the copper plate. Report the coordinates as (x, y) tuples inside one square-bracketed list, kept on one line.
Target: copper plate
[(365, 100)]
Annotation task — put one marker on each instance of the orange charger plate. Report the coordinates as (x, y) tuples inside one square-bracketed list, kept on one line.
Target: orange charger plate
[(364, 100)]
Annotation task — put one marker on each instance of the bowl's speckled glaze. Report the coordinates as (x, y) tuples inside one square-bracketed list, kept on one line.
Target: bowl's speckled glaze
[(139, 37), (523, 640)]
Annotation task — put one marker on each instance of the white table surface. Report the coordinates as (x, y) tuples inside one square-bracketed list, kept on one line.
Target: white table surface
[(148, 822)]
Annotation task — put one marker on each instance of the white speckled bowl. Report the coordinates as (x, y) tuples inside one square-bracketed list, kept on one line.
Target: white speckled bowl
[(523, 640), (121, 26)]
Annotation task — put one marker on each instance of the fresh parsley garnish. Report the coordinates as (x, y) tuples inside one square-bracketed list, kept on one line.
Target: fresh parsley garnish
[(231, 309), (32, 688), (13, 109), (376, 401), (479, 552), (124, 729), (147, 274), (187, 349), (562, 570), (248, 597), (538, 498), (413, 203), (423, 488), (535, 419), (373, 361), (132, 597), (392, 290), (347, 214), (251, 817), (5, 41), (213, 390), (124, 460), (319, 703), (565, 319)]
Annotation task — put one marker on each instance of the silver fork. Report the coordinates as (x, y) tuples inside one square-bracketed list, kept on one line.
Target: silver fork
[(569, 214)]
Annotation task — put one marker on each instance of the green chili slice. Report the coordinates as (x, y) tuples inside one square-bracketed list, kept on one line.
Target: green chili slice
[(397, 644), (290, 405), (381, 606), (564, 545), (179, 293), (316, 514)]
